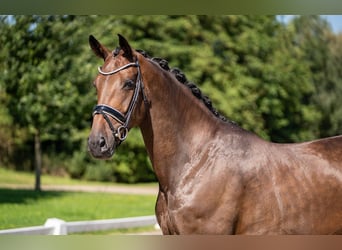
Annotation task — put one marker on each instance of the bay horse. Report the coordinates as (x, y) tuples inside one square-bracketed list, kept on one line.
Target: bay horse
[(214, 177)]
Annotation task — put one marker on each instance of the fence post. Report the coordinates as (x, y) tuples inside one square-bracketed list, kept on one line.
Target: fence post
[(59, 226)]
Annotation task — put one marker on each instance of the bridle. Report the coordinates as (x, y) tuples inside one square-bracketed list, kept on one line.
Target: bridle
[(122, 131)]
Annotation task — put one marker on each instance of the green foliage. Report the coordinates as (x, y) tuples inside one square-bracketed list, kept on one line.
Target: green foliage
[(42, 74), (6, 124), (280, 81), (322, 51), (130, 163)]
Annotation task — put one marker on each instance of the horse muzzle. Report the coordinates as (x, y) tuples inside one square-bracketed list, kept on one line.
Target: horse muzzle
[(100, 147)]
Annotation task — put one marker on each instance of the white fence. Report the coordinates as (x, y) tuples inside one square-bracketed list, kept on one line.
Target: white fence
[(54, 226)]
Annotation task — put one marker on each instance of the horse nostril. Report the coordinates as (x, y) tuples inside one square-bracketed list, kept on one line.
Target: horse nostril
[(102, 142)]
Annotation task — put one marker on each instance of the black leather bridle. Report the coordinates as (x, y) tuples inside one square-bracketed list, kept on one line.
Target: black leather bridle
[(122, 131)]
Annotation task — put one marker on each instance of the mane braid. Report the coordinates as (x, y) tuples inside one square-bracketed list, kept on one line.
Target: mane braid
[(180, 76)]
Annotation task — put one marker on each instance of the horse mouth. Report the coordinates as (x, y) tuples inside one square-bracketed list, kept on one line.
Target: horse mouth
[(102, 155)]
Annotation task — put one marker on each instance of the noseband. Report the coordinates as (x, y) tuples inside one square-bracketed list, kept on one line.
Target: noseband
[(122, 131)]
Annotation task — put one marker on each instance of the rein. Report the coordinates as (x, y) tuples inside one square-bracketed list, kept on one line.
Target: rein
[(122, 131)]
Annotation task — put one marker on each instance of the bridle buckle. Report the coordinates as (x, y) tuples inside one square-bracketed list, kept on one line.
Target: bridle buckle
[(121, 133)]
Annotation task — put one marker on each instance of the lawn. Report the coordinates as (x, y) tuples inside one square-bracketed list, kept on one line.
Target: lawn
[(22, 208), (23, 178)]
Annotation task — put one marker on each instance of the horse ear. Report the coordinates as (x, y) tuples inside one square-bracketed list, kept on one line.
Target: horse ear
[(124, 45), (98, 48)]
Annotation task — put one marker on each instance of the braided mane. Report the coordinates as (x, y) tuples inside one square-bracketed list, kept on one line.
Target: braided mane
[(180, 76)]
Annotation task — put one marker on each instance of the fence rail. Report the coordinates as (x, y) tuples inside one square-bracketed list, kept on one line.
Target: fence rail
[(55, 226)]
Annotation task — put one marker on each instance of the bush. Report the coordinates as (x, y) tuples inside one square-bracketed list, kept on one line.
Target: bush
[(130, 164), (99, 172), (77, 165)]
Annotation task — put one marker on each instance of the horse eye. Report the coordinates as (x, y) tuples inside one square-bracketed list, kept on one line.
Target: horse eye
[(129, 84)]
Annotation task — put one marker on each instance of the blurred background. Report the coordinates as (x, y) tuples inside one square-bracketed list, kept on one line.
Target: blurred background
[(277, 76)]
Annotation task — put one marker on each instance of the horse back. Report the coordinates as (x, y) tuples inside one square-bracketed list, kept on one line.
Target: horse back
[(293, 188), (329, 149)]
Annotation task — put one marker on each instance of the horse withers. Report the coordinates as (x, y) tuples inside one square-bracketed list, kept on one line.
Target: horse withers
[(214, 177)]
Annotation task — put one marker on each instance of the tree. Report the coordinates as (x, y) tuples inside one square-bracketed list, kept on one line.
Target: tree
[(43, 75), (263, 79), (322, 51), (332, 96)]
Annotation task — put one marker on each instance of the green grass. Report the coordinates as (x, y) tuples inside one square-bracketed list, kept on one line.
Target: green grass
[(23, 178), (135, 230), (22, 207)]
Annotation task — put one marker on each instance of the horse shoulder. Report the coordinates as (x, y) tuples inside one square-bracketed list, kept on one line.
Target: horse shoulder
[(207, 188)]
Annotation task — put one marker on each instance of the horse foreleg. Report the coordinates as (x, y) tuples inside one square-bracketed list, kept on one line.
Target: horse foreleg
[(162, 214)]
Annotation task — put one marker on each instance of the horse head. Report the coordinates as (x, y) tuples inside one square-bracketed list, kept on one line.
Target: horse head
[(120, 93)]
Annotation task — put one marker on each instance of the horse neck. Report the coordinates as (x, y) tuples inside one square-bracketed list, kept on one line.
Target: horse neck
[(176, 125)]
